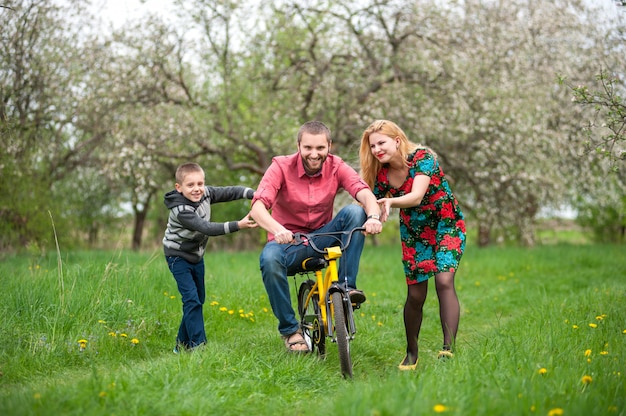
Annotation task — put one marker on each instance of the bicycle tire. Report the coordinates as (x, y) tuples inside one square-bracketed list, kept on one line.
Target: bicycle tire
[(341, 334), (311, 318)]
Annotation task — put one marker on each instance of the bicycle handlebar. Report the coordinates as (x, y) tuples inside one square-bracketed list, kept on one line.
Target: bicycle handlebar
[(303, 238)]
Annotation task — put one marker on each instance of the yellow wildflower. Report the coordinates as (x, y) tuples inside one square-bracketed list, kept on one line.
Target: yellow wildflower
[(214, 303), (439, 408), (557, 411), (599, 318), (542, 371), (587, 353), (134, 341), (593, 325), (575, 326), (586, 379), (223, 309), (123, 335), (604, 353)]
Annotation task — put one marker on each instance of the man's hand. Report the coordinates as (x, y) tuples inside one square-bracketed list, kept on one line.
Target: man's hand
[(373, 226), (283, 236)]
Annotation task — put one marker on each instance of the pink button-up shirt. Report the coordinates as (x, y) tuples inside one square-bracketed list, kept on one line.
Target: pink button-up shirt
[(303, 203)]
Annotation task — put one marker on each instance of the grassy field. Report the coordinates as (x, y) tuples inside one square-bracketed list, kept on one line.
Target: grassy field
[(543, 331)]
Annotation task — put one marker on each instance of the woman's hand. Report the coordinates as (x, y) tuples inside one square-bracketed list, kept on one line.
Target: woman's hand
[(385, 208)]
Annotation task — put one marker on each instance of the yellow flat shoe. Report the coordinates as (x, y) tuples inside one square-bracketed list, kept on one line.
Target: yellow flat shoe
[(407, 367), (445, 354)]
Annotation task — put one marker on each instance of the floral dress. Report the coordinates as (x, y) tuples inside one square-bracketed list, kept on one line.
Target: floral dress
[(432, 233)]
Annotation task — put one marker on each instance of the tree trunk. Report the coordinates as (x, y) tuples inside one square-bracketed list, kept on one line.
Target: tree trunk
[(484, 234), (140, 220)]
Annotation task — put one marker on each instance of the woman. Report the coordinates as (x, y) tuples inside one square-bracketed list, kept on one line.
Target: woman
[(407, 176)]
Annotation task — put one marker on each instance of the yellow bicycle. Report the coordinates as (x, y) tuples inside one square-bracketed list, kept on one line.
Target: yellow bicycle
[(323, 302)]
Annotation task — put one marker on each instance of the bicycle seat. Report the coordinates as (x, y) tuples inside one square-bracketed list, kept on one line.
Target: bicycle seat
[(311, 264)]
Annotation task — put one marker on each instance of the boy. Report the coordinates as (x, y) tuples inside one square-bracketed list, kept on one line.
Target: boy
[(184, 243)]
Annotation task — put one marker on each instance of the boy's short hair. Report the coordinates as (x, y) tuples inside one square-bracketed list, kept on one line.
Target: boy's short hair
[(185, 169)]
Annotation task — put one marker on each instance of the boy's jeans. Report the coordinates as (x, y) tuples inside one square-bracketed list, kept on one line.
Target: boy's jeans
[(279, 260), (190, 280)]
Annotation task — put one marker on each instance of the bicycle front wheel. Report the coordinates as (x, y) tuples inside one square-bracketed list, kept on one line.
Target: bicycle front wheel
[(311, 318), (341, 334)]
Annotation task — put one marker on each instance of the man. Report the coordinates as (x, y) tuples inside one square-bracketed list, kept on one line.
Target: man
[(300, 190)]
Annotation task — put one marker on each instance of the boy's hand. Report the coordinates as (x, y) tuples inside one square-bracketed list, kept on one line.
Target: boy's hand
[(247, 222)]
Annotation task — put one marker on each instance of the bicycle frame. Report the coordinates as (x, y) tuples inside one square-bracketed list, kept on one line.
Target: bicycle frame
[(325, 284), (326, 299)]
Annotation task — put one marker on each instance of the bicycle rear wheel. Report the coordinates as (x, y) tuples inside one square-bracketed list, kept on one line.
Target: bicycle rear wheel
[(342, 334), (311, 318)]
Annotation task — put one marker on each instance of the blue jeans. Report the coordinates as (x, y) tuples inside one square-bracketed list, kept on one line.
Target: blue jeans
[(190, 280), (280, 260)]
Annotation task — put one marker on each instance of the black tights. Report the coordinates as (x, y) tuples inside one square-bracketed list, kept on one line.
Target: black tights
[(449, 312)]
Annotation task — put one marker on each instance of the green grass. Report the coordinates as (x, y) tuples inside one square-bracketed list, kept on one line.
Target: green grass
[(523, 310)]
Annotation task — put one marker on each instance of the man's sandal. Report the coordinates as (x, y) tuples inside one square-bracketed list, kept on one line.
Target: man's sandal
[(295, 341)]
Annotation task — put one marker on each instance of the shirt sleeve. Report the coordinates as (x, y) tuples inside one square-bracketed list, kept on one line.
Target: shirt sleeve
[(269, 186), (350, 180), (191, 221)]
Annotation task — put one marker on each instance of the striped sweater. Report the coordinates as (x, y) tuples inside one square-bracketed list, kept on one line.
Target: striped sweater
[(189, 223)]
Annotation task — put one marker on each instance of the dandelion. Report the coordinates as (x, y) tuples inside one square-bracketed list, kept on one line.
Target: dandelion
[(113, 334), (542, 371), (172, 297), (557, 411), (379, 323), (587, 353), (223, 309), (604, 353), (134, 341), (267, 310), (123, 335), (575, 326), (592, 325), (165, 294), (624, 331), (214, 303), (439, 408), (230, 312), (102, 321), (82, 344), (586, 379), (599, 318)]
